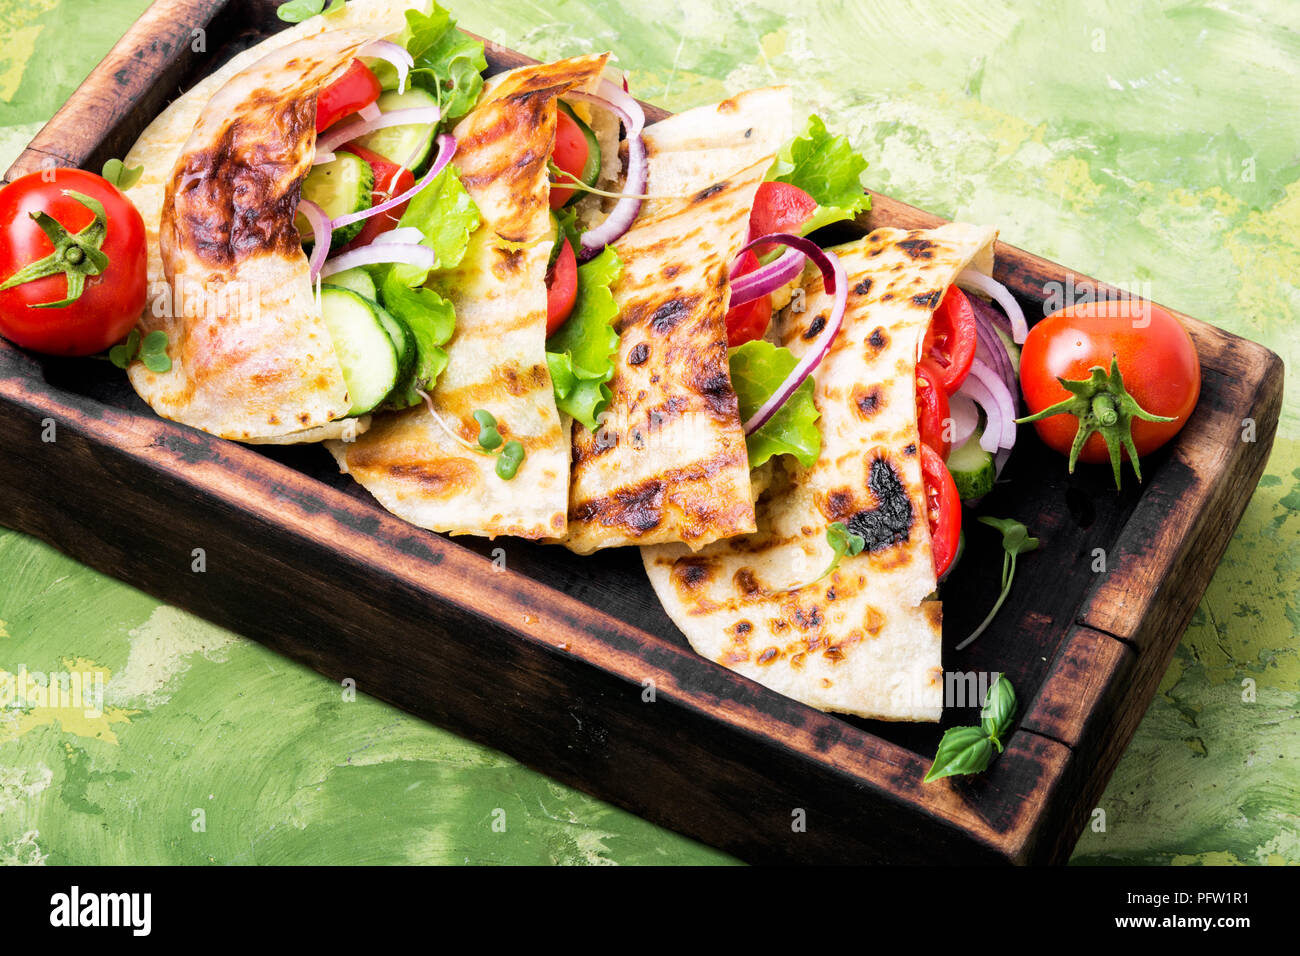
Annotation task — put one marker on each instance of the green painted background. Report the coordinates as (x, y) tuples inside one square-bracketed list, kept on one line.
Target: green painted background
[(1139, 142)]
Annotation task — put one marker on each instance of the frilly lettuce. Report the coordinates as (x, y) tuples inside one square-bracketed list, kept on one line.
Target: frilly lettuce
[(581, 352), (757, 369), (828, 169)]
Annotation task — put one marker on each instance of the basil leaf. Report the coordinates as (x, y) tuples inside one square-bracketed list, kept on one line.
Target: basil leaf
[(998, 712), (962, 750)]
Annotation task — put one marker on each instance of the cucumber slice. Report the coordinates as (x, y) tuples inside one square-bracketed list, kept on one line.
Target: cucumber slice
[(590, 169), (363, 345), (403, 344), (972, 468), (404, 145), (340, 186), (358, 280), (1013, 350)]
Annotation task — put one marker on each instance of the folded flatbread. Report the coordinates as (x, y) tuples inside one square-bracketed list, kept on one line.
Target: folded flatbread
[(669, 461), (865, 639), (229, 283), (424, 464)]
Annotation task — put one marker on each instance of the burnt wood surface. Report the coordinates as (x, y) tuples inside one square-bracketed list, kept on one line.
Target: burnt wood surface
[(550, 660)]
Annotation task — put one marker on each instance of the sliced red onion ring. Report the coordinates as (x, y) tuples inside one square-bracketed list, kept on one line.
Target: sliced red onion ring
[(972, 279), (369, 112), (990, 348), (350, 129), (965, 418), (321, 234), (837, 284), (446, 149), (377, 252), (767, 279), (625, 212), (990, 392), (394, 53)]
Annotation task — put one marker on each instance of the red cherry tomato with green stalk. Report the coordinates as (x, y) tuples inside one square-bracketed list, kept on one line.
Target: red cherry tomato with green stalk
[(1109, 379), (72, 263), (950, 339), (561, 288), (356, 88), (779, 207), (932, 411), (749, 320), (390, 180), (943, 507), (569, 156)]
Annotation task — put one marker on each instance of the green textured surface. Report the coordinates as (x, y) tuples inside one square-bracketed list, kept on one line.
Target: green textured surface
[(1138, 142)]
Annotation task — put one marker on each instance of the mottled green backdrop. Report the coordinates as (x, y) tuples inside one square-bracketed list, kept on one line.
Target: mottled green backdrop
[(1152, 143)]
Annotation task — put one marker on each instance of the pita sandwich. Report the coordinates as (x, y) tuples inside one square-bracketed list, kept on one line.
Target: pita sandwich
[(864, 639), (251, 357), (424, 464), (669, 461)]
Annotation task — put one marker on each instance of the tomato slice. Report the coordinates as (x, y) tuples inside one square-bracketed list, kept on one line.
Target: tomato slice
[(570, 155), (390, 180), (356, 88), (932, 411), (950, 340), (779, 207), (944, 507), (748, 321), (561, 288)]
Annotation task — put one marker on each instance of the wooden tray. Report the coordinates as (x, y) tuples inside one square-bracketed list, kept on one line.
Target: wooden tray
[(547, 661)]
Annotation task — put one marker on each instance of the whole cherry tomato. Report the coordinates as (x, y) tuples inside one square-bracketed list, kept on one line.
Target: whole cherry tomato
[(1134, 379), (72, 263)]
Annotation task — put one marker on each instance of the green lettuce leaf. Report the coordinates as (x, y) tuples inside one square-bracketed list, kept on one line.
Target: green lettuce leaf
[(828, 169), (581, 352), (447, 216), (757, 369), (448, 63), (432, 320)]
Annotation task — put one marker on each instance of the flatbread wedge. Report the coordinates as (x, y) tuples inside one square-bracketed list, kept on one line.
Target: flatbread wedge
[(423, 464), (229, 282), (669, 461), (865, 639)]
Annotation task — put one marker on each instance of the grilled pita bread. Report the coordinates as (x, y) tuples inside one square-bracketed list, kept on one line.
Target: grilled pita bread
[(424, 465), (865, 639), (669, 462), (229, 283)]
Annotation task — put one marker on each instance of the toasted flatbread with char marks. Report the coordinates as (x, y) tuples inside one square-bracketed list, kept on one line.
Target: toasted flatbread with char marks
[(229, 283), (669, 462), (425, 465), (866, 639)]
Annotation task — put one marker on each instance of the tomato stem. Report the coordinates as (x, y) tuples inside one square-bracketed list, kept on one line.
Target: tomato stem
[(1101, 404), (75, 255)]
